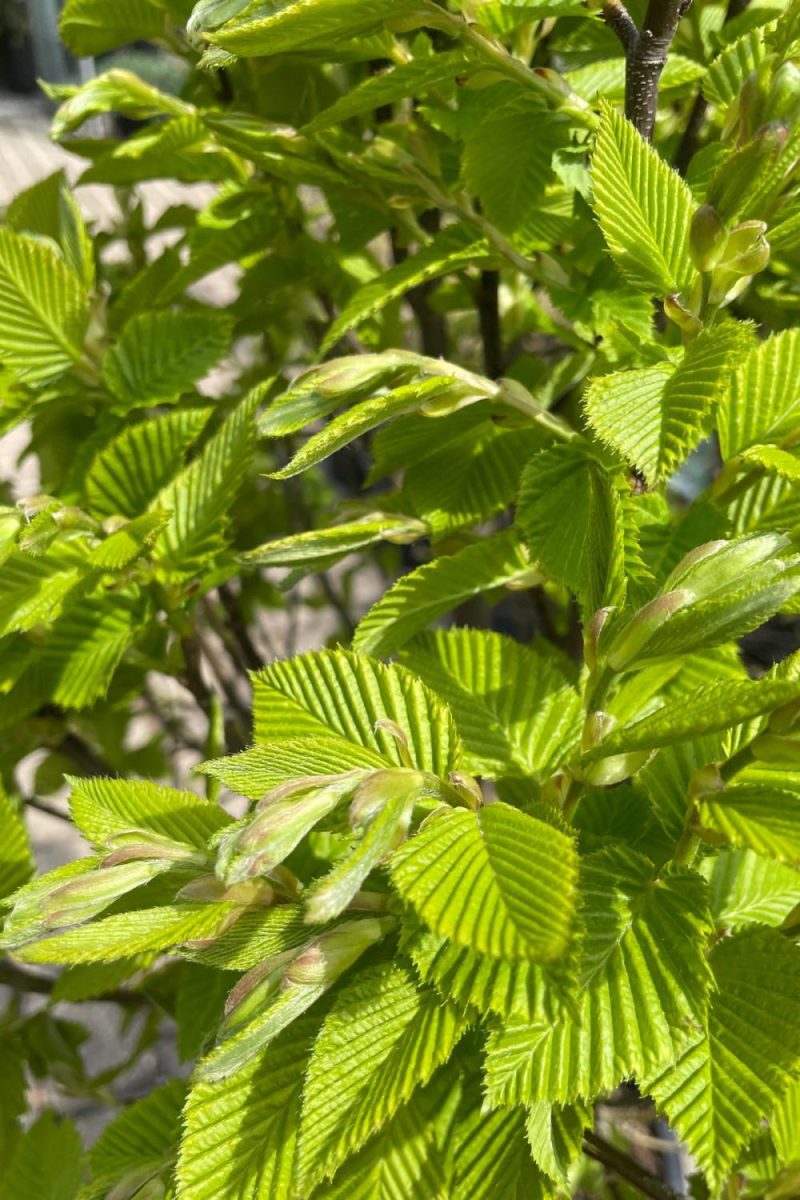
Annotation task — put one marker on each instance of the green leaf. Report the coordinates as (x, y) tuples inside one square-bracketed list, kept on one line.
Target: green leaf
[(199, 498), (492, 1158), (240, 1133), (254, 772), (199, 1007), (127, 474), (645, 981), (363, 417), (383, 1038), (555, 1135), (318, 547), (724, 78), (436, 588), (126, 544), (102, 808), (159, 355), (643, 206), (745, 889), (89, 27), (655, 416), (47, 1162), (515, 711), (43, 309), (569, 512), (448, 252), (726, 1081), (85, 649), (511, 172), (351, 695), (33, 591), (785, 1125), (256, 935), (762, 401), (413, 78), (763, 819), (496, 881), (138, 1146), (112, 91), (719, 705), (293, 24), (16, 858), (163, 929)]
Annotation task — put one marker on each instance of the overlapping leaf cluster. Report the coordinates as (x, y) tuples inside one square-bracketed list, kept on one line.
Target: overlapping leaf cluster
[(470, 891)]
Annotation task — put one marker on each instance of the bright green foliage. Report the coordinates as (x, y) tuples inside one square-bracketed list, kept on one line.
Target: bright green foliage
[(404, 610)]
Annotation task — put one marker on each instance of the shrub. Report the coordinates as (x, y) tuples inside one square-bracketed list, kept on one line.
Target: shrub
[(528, 828)]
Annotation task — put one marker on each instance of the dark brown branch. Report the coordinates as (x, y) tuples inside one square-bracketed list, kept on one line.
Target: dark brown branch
[(21, 980), (646, 59), (489, 321), (688, 143), (250, 657), (603, 1152), (617, 17)]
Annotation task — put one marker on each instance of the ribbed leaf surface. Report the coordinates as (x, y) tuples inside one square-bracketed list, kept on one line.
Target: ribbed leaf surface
[(347, 694), (256, 771), (726, 1082), (85, 648), (570, 514), (496, 881), (256, 935), (131, 933), (43, 309), (318, 547), (47, 1162), (128, 473), (763, 819), (451, 250), (643, 206), (645, 980), (713, 707), (555, 1136), (746, 889), (292, 24), (514, 709), (138, 1144), (89, 27), (762, 402), (16, 859), (199, 498), (427, 593), (240, 1133), (103, 807), (160, 354), (382, 1039), (492, 1158), (727, 73)]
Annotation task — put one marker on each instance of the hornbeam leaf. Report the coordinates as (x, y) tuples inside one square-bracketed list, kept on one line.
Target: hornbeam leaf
[(361, 418), (112, 91), (784, 1125), (16, 859), (645, 982), (318, 547), (293, 24), (89, 27), (240, 1133), (341, 693), (159, 355), (450, 251), (514, 708), (44, 309), (383, 1038), (412, 78), (420, 597), (763, 819), (496, 881), (723, 80), (746, 889), (260, 769), (492, 1158), (761, 404), (555, 1135), (644, 208), (102, 808), (713, 707), (570, 513), (727, 1080), (47, 1161)]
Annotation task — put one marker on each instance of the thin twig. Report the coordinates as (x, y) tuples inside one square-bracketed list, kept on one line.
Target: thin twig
[(43, 807), (251, 659), (617, 17), (489, 321), (603, 1152), (646, 59), (22, 980)]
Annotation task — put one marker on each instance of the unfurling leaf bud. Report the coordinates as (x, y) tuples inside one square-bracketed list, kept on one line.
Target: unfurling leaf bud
[(710, 567), (591, 638), (379, 789), (597, 727), (606, 772), (681, 315), (746, 249), (324, 959), (707, 236), (633, 639)]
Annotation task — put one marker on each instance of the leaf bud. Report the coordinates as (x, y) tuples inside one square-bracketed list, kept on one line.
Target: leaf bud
[(606, 772), (707, 235), (713, 566), (592, 635), (682, 316), (747, 250), (597, 727), (379, 789), (631, 641), (323, 960)]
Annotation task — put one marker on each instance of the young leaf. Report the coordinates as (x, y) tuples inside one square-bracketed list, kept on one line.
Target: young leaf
[(761, 403), (89, 27), (262, 768), (16, 859), (102, 808), (763, 819), (420, 597), (643, 207), (362, 1070), (160, 355), (496, 881), (139, 1145), (43, 309), (514, 708), (492, 1158), (354, 696), (296, 23), (727, 1080), (47, 1162)]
